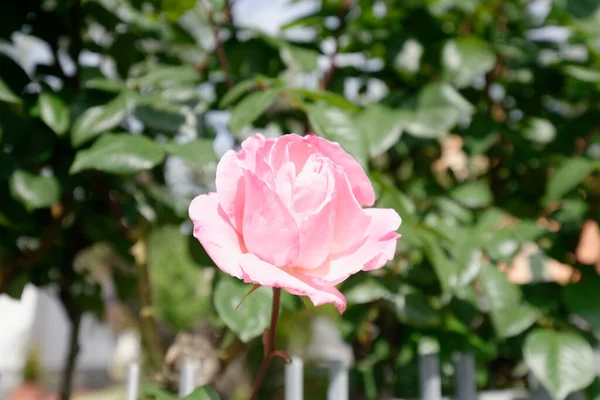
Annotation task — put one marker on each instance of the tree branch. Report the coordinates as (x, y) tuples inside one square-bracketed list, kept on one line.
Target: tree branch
[(344, 9), (15, 265), (221, 55)]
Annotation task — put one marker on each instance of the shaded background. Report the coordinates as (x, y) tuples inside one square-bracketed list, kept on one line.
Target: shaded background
[(476, 120)]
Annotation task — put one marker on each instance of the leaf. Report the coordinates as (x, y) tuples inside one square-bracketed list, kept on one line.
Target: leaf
[(180, 291), (99, 119), (7, 95), (338, 126), (412, 308), (332, 99), (106, 85), (299, 58), (54, 112), (250, 108), (252, 317), (443, 95), (582, 298), (509, 322), (382, 127), (203, 393), (588, 75), (198, 152), (562, 361), (119, 154), (34, 191), (509, 316), (238, 91), (568, 176), (473, 195), (465, 59), (366, 291)]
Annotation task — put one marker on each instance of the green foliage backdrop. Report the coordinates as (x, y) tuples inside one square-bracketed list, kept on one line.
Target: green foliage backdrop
[(477, 121)]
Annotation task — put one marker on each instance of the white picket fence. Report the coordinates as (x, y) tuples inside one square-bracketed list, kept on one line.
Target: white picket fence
[(430, 382)]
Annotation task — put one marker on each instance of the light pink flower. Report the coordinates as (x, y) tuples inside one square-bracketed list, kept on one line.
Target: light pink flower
[(287, 214)]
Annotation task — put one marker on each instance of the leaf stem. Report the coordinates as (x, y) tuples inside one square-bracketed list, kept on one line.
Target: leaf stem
[(269, 343)]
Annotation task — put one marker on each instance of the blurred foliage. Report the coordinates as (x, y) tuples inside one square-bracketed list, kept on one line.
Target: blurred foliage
[(476, 120)]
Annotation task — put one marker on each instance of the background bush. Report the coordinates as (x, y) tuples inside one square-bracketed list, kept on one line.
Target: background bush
[(477, 122)]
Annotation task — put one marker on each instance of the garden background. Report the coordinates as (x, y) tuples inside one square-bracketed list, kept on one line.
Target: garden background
[(477, 121)]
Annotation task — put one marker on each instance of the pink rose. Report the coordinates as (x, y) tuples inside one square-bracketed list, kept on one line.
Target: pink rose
[(287, 214)]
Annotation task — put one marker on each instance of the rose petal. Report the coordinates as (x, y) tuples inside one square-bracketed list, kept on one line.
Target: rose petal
[(359, 181), (384, 222), (260, 272), (213, 230), (375, 251), (230, 188), (352, 222), (316, 235), (269, 230)]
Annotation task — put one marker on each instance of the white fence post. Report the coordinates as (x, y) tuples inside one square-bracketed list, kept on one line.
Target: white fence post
[(294, 379), (338, 381), (430, 381), (133, 381), (187, 378), (466, 386)]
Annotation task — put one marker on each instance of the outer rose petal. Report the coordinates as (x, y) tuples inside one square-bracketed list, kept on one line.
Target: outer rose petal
[(213, 230), (230, 188), (360, 183), (257, 271), (384, 223), (352, 223), (379, 246), (269, 230)]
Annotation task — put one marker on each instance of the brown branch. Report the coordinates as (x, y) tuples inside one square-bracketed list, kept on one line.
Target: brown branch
[(14, 265), (581, 143), (344, 9), (221, 55)]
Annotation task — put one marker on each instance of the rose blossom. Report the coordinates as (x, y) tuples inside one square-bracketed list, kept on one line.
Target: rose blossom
[(287, 214)]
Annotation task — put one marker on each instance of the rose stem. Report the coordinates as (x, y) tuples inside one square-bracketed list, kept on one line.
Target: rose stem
[(269, 343)]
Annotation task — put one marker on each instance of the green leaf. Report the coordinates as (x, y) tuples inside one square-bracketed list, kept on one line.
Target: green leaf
[(588, 75), (562, 361), (568, 176), (203, 393), (252, 317), (366, 291), (180, 292), (238, 91), (436, 95), (54, 112), (382, 127), (174, 8), (338, 126), (99, 119), (473, 195), (198, 152), (332, 99), (509, 322), (119, 154), (34, 191), (7, 95), (413, 308), (299, 58), (582, 298), (466, 58), (250, 108), (106, 85), (509, 316)]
